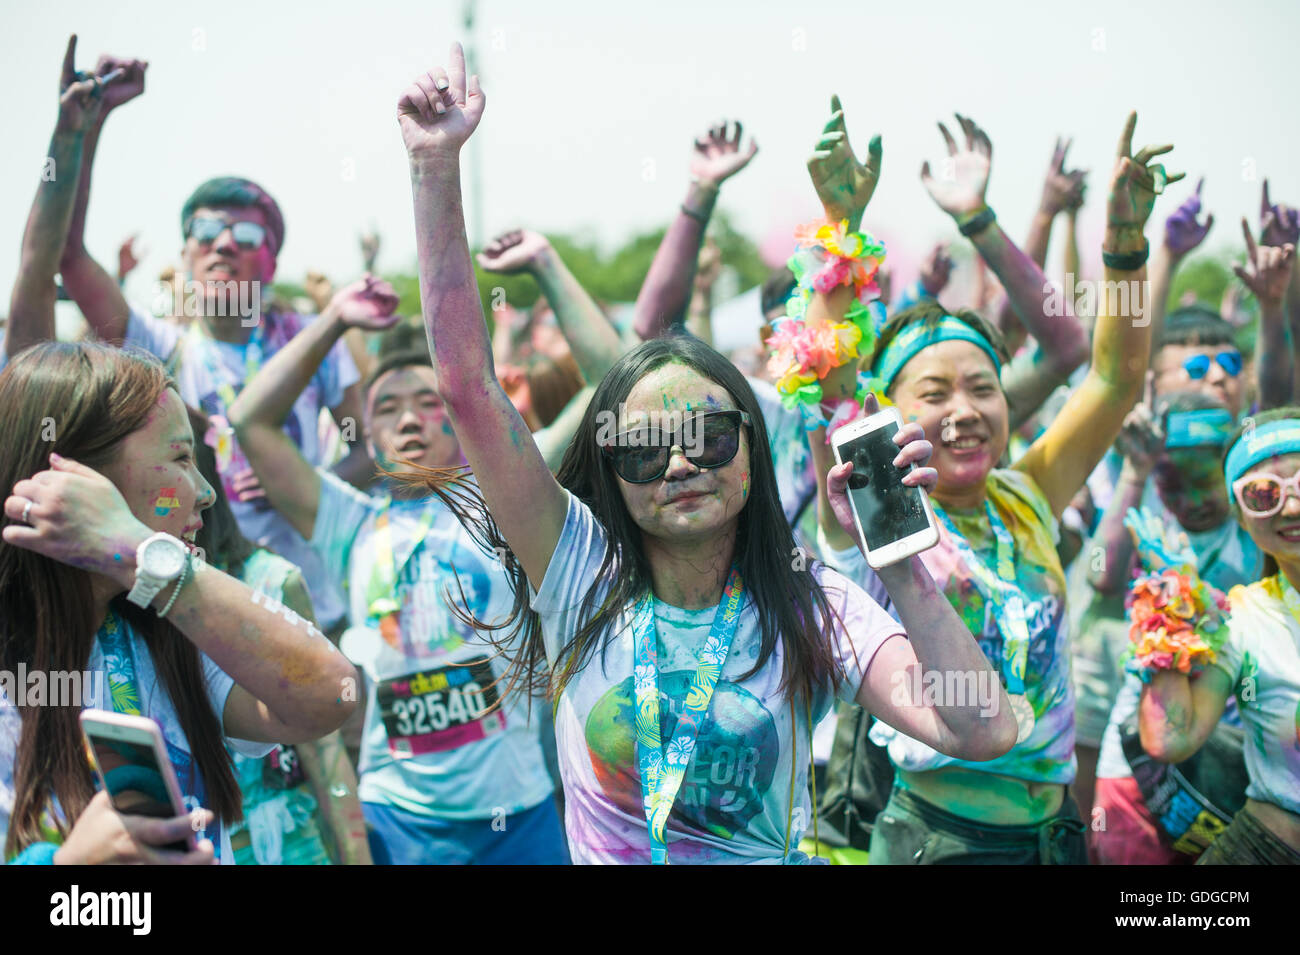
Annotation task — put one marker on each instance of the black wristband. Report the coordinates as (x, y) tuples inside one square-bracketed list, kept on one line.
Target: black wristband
[(978, 224), (701, 217), (1125, 261)]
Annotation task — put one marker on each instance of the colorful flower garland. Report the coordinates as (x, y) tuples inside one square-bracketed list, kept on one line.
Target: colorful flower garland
[(1176, 622), (827, 256)]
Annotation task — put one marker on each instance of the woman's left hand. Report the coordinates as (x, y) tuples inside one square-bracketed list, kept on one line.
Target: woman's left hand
[(914, 449), (77, 517)]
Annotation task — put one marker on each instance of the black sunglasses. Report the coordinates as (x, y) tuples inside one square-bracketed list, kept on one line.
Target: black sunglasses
[(249, 236), (638, 461)]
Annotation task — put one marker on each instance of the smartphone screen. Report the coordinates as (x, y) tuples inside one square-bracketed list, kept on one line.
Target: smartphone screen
[(887, 509), (133, 779)]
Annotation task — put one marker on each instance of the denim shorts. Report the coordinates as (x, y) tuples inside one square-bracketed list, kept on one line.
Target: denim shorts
[(532, 837), (911, 831)]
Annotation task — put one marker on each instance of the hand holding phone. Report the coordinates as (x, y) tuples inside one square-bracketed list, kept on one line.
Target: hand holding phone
[(104, 836), (881, 499)]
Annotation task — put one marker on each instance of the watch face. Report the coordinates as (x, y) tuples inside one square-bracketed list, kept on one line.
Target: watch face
[(163, 558)]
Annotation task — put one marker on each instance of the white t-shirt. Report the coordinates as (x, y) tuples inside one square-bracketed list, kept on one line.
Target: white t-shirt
[(1262, 656), (154, 703), (458, 767), (734, 804), (202, 359)]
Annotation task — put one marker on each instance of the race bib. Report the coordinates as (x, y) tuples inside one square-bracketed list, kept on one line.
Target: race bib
[(436, 710)]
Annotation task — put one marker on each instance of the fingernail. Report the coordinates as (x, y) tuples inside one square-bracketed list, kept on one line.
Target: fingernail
[(55, 458), (441, 84)]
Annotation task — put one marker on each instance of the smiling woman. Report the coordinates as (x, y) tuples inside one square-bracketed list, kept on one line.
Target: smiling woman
[(77, 593)]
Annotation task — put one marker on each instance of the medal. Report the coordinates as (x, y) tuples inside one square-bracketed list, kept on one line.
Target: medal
[(1023, 711)]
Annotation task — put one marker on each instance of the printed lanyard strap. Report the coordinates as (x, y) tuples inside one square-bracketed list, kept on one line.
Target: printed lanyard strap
[(381, 592), (1000, 590), (662, 773), (120, 663), (207, 351), (1290, 599)]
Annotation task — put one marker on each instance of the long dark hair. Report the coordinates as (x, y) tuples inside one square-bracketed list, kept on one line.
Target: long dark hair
[(91, 397), (790, 604)]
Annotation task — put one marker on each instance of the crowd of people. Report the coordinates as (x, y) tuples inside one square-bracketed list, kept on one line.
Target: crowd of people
[(549, 590)]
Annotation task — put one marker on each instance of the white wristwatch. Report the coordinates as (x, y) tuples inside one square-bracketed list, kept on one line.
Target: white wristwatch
[(159, 560)]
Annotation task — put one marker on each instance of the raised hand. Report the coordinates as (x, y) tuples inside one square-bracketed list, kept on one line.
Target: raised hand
[(81, 101), (369, 249), (367, 303), (708, 266), (1134, 184), (1268, 270), (1278, 224), (1182, 232), (959, 191), (936, 269), (843, 184), (440, 110), (127, 257), (718, 156), (127, 85), (914, 449), (512, 252), (1062, 189), (319, 289), (1141, 440), (1160, 546), (77, 517)]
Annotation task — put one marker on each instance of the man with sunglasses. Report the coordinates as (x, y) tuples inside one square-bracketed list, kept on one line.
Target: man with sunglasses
[(233, 231), (1196, 351)]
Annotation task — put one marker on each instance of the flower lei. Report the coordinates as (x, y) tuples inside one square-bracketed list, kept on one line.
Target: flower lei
[(1176, 622), (827, 256)]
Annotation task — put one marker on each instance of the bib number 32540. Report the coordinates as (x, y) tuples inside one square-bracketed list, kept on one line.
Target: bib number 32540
[(436, 710)]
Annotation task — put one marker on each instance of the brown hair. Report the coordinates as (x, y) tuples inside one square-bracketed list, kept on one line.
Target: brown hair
[(551, 384), (94, 396)]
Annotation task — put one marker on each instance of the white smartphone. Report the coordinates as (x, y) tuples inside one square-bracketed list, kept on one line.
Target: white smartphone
[(131, 760), (895, 521)]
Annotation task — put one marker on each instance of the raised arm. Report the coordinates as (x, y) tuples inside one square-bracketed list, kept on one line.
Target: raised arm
[(595, 343), (1062, 189), (95, 291), (699, 318), (1062, 339), (1141, 442), (1268, 274), (1279, 225), (289, 678), (31, 305), (1183, 233), (259, 413), (666, 292), (437, 115), (1063, 457)]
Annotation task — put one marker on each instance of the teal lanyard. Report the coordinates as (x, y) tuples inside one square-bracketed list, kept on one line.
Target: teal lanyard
[(119, 661), (1000, 591), (206, 349), (662, 771)]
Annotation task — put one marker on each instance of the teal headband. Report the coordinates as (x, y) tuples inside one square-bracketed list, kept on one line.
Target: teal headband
[(1260, 444), (1199, 428), (907, 343)]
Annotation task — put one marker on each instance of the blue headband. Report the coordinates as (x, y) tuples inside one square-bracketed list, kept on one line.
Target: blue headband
[(1199, 428), (914, 338), (1260, 444)]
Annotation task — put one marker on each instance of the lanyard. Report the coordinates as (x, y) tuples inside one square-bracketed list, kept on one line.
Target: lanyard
[(206, 350), (662, 772), (1000, 591), (119, 661), (381, 592)]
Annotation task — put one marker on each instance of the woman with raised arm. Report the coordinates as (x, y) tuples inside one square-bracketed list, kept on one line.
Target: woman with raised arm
[(996, 560), (95, 577), (688, 655), (1255, 657)]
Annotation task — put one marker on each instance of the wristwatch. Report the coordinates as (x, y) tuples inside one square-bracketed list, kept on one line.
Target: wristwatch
[(159, 560)]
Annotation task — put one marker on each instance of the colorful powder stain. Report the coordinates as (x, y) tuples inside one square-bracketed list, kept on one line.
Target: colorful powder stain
[(166, 500)]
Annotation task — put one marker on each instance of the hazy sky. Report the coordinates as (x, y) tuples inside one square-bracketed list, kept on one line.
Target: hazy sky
[(592, 109)]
